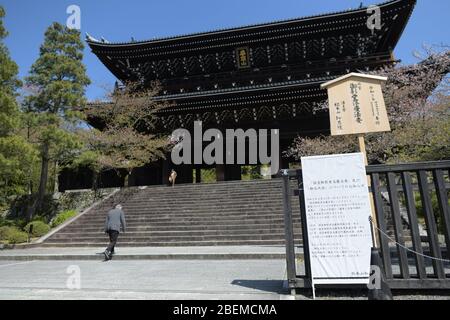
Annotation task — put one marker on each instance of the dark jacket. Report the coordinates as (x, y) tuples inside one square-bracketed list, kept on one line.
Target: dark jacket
[(115, 220)]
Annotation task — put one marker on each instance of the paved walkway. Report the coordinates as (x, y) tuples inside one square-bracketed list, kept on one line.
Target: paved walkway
[(161, 279), (147, 253), (150, 279), (184, 273)]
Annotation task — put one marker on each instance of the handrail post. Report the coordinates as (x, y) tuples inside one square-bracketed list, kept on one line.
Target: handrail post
[(289, 230), (306, 253)]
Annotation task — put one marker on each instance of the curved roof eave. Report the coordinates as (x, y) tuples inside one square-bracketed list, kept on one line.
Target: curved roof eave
[(242, 28)]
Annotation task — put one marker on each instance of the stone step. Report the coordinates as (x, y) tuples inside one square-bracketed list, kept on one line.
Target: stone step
[(274, 212), (189, 225), (217, 185), (161, 218), (200, 209), (239, 194), (212, 187), (180, 214), (169, 244), (172, 236), (172, 225), (104, 238), (181, 237), (233, 203), (150, 253), (198, 224), (209, 194), (192, 232), (225, 213), (100, 237), (245, 192), (269, 207), (262, 198), (178, 228), (206, 220)]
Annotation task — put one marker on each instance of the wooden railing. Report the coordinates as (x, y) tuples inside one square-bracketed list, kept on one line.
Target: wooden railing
[(413, 224), (414, 186)]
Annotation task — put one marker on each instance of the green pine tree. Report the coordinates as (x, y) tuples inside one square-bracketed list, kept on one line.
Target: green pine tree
[(58, 80), (16, 155), (9, 111)]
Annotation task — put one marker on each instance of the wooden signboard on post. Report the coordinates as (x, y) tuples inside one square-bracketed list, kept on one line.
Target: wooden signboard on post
[(357, 104), (357, 107)]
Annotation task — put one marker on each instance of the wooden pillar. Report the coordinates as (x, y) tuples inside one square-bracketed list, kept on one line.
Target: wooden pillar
[(220, 172), (132, 178), (282, 164), (198, 175), (233, 172), (185, 173), (165, 171)]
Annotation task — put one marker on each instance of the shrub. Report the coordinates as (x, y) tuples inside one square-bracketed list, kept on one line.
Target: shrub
[(3, 232), (39, 228), (18, 223), (12, 235), (62, 217), (5, 222), (440, 222)]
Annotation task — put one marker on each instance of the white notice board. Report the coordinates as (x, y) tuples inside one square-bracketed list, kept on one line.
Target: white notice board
[(337, 215)]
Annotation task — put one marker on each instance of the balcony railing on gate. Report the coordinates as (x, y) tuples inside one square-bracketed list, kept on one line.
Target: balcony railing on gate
[(413, 219)]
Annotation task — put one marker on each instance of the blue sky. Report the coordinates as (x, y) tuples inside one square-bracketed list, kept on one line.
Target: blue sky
[(119, 20)]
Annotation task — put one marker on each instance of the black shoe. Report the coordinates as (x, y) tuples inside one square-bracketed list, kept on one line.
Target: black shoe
[(107, 255)]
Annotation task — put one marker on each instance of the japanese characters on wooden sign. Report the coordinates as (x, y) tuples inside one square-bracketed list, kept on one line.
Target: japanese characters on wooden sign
[(357, 104)]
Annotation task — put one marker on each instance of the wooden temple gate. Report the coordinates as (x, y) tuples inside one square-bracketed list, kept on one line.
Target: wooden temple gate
[(259, 76)]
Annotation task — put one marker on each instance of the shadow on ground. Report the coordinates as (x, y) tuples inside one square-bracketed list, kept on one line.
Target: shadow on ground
[(274, 286)]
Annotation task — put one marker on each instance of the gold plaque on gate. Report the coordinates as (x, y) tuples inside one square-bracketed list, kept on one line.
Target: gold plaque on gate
[(243, 58)]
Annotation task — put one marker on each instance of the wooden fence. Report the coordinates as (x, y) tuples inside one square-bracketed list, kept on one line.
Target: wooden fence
[(413, 216)]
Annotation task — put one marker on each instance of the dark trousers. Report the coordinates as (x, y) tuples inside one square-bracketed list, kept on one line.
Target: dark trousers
[(113, 235)]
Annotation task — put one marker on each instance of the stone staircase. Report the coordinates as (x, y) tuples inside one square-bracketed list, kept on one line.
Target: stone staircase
[(224, 213)]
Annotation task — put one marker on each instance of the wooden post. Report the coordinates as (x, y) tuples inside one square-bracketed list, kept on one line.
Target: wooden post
[(362, 149)]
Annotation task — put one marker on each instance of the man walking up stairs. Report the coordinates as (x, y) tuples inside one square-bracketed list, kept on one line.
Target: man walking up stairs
[(115, 222)]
